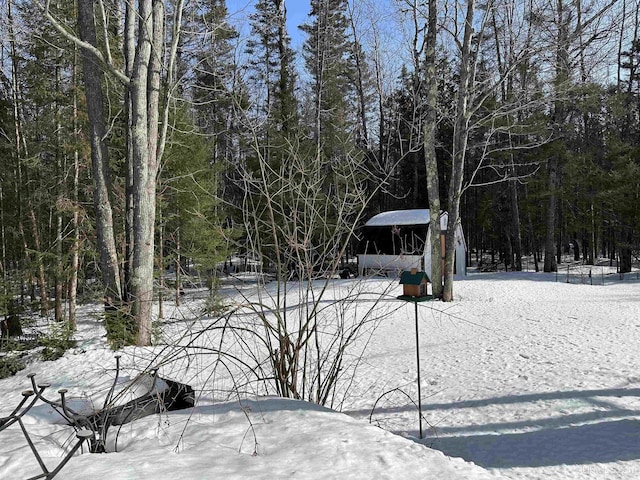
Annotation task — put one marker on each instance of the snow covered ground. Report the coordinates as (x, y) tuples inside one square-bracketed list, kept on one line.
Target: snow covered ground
[(522, 378)]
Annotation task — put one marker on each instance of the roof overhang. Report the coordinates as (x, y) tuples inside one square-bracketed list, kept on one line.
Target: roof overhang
[(419, 216)]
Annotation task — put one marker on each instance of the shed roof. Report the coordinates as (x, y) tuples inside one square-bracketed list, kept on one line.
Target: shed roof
[(418, 216)]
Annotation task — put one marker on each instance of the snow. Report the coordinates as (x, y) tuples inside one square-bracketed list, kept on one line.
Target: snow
[(522, 377), (419, 216)]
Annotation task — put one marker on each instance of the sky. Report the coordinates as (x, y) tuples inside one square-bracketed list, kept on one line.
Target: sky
[(297, 11)]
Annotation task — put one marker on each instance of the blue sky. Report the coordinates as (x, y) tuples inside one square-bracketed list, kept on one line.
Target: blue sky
[(297, 11)]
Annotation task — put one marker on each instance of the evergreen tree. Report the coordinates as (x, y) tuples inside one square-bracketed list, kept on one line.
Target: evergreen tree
[(191, 212), (214, 90), (327, 55), (272, 64), (43, 82)]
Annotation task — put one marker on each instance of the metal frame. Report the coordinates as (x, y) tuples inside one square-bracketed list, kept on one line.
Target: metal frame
[(23, 407), (93, 428)]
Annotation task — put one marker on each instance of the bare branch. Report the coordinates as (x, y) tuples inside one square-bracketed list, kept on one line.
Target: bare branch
[(64, 31)]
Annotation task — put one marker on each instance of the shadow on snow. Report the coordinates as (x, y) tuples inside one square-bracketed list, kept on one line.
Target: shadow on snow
[(602, 442), (608, 434)]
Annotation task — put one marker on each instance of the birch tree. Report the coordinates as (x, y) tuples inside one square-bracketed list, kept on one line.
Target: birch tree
[(430, 123), (461, 129), (149, 83)]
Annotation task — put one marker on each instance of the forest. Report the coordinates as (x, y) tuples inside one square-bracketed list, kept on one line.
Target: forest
[(144, 137)]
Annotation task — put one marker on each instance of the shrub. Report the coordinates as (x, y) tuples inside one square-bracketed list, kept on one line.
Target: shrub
[(121, 329), (10, 365), (214, 305), (57, 341)]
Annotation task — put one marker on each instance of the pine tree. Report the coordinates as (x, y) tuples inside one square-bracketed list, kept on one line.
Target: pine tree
[(272, 61), (327, 58), (191, 212), (43, 85), (214, 91)]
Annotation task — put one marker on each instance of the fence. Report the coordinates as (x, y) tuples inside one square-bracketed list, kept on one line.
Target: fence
[(593, 275)]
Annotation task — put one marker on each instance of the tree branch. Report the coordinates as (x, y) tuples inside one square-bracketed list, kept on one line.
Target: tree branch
[(81, 44)]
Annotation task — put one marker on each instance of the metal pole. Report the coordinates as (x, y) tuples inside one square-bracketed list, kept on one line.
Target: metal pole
[(418, 364)]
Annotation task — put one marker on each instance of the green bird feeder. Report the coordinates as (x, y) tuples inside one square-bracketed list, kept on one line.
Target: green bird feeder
[(414, 289)]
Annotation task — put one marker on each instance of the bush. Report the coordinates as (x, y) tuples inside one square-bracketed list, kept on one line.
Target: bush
[(57, 341), (214, 306), (121, 329), (10, 365)]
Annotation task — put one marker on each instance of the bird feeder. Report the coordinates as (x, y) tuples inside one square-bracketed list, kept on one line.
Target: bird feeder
[(414, 288), (414, 284)]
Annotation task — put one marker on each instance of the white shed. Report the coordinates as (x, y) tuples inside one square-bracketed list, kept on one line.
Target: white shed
[(399, 240)]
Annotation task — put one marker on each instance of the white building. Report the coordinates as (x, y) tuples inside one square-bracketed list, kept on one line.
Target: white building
[(399, 240)]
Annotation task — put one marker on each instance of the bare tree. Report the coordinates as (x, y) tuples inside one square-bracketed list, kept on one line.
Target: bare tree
[(429, 138), (461, 130), (148, 124)]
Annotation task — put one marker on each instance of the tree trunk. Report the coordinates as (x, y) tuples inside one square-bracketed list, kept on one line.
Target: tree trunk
[(508, 250), (3, 240), (59, 315), (42, 278), (515, 219), (59, 268), (625, 260), (160, 267), (75, 247), (178, 268), (592, 254), (99, 159), (625, 252), (129, 55), (460, 139), (550, 264), (429, 139), (145, 90)]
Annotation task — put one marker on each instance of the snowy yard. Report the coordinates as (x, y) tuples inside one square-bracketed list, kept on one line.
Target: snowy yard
[(522, 378)]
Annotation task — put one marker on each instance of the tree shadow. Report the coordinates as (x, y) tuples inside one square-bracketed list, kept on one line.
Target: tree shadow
[(543, 277), (607, 434), (603, 442), (509, 399)]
